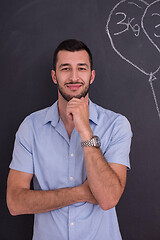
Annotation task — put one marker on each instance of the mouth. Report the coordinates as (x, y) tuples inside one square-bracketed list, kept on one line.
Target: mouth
[(74, 86)]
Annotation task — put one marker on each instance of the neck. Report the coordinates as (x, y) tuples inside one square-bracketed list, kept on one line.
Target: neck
[(62, 104)]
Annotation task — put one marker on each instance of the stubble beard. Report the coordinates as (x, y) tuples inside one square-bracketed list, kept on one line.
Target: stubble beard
[(68, 97)]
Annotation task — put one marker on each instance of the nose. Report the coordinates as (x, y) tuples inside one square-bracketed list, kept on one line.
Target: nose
[(74, 75)]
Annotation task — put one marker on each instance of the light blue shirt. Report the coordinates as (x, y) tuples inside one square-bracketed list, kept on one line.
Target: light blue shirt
[(43, 148)]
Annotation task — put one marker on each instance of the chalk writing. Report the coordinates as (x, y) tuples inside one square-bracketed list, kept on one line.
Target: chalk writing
[(135, 28), (152, 13), (158, 25), (143, 21)]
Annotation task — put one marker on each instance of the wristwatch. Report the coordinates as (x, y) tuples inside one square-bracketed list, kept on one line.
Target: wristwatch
[(93, 142)]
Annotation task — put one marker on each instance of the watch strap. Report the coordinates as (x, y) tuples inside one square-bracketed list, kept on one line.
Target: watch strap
[(93, 142)]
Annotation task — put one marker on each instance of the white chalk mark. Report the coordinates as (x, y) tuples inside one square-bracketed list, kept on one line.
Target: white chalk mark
[(26, 7), (156, 35), (154, 95), (152, 78), (128, 26), (142, 1), (143, 27), (134, 4), (156, 14), (138, 30), (109, 35), (157, 26)]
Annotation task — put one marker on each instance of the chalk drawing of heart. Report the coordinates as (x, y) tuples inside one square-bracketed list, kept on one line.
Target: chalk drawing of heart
[(133, 27), (127, 36), (151, 23)]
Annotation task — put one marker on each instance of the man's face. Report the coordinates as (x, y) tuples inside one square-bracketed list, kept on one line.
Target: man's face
[(73, 74)]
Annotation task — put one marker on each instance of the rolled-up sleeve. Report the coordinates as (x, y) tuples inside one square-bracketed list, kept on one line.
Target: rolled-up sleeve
[(119, 147), (22, 159)]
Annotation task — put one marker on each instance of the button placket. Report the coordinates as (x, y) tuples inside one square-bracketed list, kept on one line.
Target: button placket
[(71, 169), (71, 179), (72, 160), (72, 222)]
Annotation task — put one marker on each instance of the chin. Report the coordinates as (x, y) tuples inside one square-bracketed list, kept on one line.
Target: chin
[(68, 97)]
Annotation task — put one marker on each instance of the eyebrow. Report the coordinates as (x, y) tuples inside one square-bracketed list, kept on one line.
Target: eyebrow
[(64, 65), (83, 64), (68, 64)]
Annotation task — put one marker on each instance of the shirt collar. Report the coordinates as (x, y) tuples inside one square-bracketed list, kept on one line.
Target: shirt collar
[(93, 114), (52, 114)]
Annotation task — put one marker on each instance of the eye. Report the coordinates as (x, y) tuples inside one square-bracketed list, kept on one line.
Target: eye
[(82, 68), (65, 69)]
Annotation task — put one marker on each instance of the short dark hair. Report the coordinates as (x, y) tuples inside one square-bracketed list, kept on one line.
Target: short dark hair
[(71, 45)]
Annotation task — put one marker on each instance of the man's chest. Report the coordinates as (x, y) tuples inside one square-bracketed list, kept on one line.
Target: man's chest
[(58, 160)]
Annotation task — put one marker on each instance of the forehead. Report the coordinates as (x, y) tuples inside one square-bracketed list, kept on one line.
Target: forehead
[(76, 57)]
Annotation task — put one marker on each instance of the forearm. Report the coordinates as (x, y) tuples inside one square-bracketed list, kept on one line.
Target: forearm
[(103, 181), (26, 201)]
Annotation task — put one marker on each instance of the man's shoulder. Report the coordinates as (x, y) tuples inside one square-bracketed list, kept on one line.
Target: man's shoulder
[(39, 113), (107, 117), (40, 117), (106, 113), (37, 116)]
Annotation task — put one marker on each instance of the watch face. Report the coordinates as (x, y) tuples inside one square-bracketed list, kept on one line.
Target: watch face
[(97, 142)]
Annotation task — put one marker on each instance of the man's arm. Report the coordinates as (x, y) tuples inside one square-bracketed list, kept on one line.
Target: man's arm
[(22, 200), (106, 181)]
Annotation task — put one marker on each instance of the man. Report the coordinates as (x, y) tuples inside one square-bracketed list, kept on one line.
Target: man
[(77, 154)]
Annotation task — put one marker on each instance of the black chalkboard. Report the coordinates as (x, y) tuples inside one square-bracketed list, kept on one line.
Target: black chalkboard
[(124, 37)]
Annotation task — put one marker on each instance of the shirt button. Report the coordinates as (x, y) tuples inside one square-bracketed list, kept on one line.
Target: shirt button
[(72, 224), (72, 154), (71, 178)]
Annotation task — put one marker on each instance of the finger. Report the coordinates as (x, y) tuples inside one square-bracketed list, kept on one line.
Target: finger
[(69, 115), (76, 103), (78, 100)]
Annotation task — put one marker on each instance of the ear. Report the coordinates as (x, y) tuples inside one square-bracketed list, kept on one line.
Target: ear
[(53, 75), (93, 74)]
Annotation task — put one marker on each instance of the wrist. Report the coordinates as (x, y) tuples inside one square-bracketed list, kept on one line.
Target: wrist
[(86, 135), (80, 193), (93, 142)]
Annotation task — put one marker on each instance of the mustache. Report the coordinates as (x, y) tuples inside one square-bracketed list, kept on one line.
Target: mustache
[(69, 83)]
